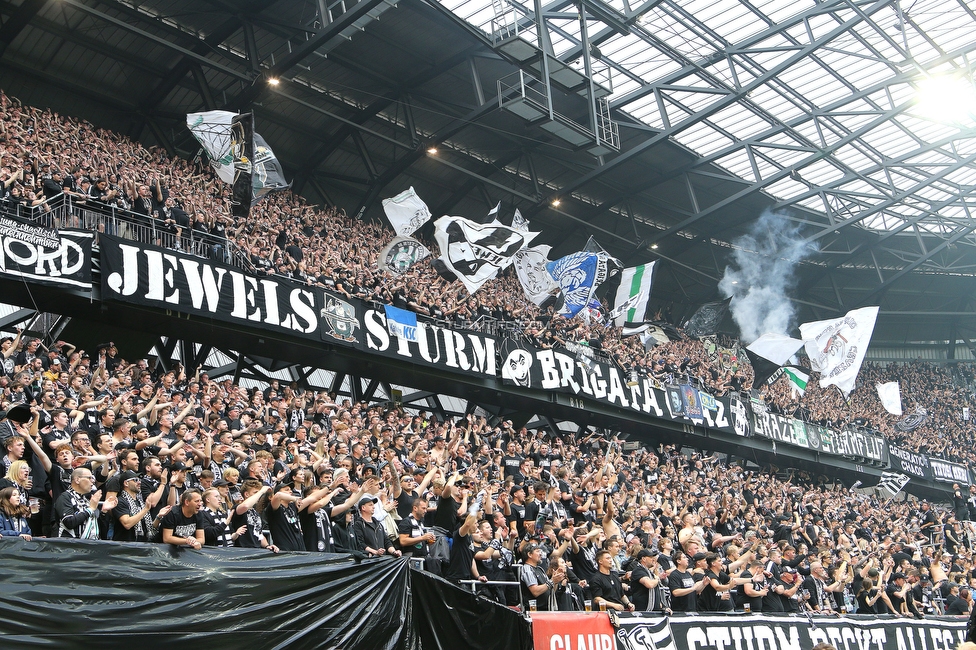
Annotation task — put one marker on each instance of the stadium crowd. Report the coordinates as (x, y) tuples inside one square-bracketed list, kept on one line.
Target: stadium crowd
[(285, 235), (97, 447)]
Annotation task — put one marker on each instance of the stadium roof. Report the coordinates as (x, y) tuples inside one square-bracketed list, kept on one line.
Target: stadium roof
[(724, 110)]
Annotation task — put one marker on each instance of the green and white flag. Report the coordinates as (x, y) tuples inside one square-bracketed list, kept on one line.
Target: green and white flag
[(633, 294), (798, 380)]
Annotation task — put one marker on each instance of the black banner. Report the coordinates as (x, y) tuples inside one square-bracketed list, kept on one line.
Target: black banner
[(68, 593), (589, 376), (788, 632), (853, 443), (437, 344), (909, 462), (158, 277), (946, 472), (67, 265)]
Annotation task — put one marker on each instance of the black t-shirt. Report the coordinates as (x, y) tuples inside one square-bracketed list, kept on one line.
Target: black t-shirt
[(252, 536), (317, 529), (405, 503), (411, 527), (510, 465), (181, 525), (286, 529), (639, 594), (958, 607), (584, 562), (607, 587), (682, 580), (710, 600), (462, 555), (129, 506), (446, 514)]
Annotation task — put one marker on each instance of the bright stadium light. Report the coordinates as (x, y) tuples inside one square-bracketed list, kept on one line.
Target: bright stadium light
[(946, 98), (555, 203), (273, 81), (432, 150)]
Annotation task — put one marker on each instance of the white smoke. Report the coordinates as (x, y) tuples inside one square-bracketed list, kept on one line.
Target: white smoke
[(761, 276)]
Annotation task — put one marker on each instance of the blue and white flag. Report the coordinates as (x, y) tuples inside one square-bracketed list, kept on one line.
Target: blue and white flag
[(707, 401), (401, 323), (579, 275)]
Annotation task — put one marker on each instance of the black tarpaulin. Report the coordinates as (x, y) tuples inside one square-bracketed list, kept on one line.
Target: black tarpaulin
[(447, 617), (63, 593), (66, 593)]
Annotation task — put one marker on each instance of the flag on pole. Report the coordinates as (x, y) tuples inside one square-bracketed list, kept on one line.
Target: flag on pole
[(707, 318), (836, 347), (580, 274), (477, 252), (633, 294), (797, 378), (769, 353), (890, 397), (891, 484), (530, 267)]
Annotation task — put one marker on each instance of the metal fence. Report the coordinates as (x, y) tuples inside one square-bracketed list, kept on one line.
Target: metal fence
[(63, 211)]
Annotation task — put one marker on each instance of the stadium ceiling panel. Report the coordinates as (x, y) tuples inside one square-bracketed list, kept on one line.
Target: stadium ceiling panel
[(856, 119)]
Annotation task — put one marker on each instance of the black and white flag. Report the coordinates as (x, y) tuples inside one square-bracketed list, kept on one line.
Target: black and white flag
[(891, 484), (476, 252)]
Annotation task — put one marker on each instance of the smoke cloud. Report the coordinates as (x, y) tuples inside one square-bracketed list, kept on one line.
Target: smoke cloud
[(761, 276)]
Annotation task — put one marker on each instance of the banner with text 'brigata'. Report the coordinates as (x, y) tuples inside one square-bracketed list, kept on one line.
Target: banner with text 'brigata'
[(753, 632), (157, 277), (583, 373)]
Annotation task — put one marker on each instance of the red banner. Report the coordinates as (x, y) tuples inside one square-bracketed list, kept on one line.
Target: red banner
[(572, 631)]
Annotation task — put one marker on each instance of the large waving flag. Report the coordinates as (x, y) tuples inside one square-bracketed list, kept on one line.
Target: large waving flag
[(836, 347), (476, 252), (769, 353), (890, 395), (633, 294), (406, 212), (212, 130), (580, 274)]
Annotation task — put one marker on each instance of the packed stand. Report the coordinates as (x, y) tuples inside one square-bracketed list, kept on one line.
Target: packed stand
[(98, 447), (287, 236)]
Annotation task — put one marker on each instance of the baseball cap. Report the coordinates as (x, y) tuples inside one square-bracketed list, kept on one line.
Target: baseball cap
[(516, 488), (898, 575), (128, 475), (698, 556), (366, 499), (646, 553)]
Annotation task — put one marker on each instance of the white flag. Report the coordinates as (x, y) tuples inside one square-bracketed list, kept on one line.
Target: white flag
[(212, 130), (530, 266), (890, 397), (406, 212), (633, 294), (778, 348), (836, 347)]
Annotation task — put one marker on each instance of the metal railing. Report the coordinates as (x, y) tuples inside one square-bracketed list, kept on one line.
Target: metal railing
[(64, 211)]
